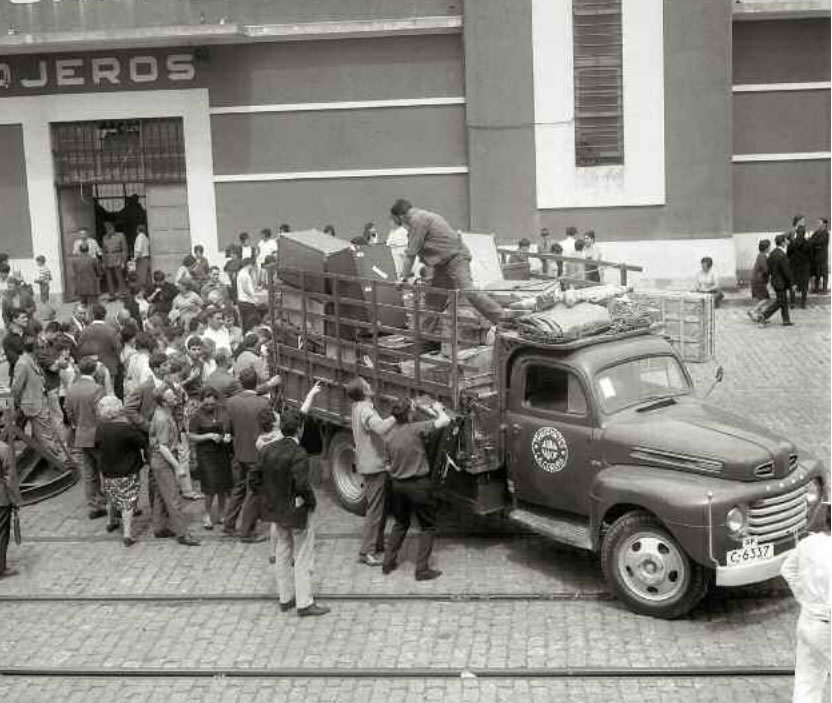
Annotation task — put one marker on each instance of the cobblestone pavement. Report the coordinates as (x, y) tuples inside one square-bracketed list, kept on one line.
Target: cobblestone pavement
[(777, 376)]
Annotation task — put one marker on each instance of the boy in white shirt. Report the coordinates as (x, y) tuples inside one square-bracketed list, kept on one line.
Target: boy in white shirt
[(42, 277)]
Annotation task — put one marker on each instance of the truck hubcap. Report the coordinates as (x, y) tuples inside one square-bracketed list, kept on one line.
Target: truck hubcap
[(652, 567)]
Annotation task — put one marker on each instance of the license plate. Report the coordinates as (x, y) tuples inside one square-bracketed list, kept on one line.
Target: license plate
[(749, 553)]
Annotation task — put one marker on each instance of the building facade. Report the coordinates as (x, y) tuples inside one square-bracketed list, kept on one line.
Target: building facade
[(674, 129)]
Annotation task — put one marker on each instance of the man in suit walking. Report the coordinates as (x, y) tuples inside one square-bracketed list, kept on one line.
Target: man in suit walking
[(281, 480), (780, 276), (81, 400), (101, 340)]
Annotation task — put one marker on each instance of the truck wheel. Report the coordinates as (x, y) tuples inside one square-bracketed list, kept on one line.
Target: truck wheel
[(648, 570), (347, 482)]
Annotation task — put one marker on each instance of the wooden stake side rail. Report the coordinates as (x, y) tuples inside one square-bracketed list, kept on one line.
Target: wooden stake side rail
[(622, 268)]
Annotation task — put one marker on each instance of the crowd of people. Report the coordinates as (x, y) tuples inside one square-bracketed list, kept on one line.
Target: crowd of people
[(573, 245)]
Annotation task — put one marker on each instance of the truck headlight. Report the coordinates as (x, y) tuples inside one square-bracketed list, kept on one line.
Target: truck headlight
[(735, 520), (813, 492)]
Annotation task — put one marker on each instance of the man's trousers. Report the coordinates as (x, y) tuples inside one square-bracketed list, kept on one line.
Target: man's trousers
[(294, 562)]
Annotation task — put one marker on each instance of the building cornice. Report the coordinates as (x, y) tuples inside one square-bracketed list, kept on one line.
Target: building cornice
[(749, 10)]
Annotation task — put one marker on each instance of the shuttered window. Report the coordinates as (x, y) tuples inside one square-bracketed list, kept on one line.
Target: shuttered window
[(599, 102)]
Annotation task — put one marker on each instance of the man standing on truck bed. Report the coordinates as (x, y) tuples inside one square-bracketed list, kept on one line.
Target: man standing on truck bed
[(432, 239), (411, 487)]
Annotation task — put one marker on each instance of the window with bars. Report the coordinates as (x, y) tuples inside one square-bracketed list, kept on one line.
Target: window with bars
[(599, 93), (119, 151)]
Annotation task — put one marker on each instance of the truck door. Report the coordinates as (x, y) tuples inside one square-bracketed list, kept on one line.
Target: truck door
[(550, 435)]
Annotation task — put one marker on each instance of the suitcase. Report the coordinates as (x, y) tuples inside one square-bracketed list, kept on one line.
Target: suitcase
[(373, 262), (307, 251)]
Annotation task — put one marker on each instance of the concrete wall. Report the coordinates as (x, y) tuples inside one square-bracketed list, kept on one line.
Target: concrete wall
[(697, 68), (16, 229), (781, 122), (781, 51), (500, 116)]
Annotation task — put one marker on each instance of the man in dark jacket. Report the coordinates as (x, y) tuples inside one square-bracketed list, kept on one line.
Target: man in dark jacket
[(781, 280), (100, 339), (819, 243), (281, 480), (799, 252), (9, 500)]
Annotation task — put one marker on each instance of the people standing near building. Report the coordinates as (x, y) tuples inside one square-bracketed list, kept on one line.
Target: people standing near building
[(169, 519), (114, 257), (267, 246), (521, 256), (43, 277), (819, 243), (575, 270), (799, 252), (10, 501), (216, 330), (707, 282), (244, 410), (431, 239), (141, 256), (233, 264), (411, 487), (83, 237), (368, 431), (200, 268), (86, 275), (568, 242), (16, 331), (281, 479), (592, 254), (187, 304), (81, 403), (210, 431), (759, 281), (807, 571), (214, 291), (247, 249), (119, 446), (246, 296), (397, 243), (781, 280)]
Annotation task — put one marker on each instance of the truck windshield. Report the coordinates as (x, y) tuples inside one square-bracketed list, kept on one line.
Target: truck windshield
[(639, 380)]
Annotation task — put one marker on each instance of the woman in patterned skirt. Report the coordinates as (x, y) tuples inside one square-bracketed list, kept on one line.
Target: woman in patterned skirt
[(120, 447)]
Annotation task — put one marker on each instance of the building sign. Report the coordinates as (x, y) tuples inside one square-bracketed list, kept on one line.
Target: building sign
[(96, 72)]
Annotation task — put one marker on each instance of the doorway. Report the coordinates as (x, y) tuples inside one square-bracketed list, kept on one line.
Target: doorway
[(124, 172)]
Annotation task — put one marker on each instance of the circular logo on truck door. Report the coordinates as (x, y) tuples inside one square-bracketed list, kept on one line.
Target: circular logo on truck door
[(549, 449)]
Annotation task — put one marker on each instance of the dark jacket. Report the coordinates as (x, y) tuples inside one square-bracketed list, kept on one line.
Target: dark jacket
[(779, 270), (819, 242), (140, 404), (81, 402), (13, 349), (120, 446), (244, 411), (800, 258), (101, 339), (281, 475), (9, 486), (759, 278), (86, 274)]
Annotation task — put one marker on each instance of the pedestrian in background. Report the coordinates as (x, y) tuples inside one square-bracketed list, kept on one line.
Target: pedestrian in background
[(281, 480), (592, 253), (799, 252), (759, 281), (819, 243), (9, 502), (781, 280), (368, 431), (246, 297), (411, 488), (85, 273), (114, 257), (141, 255), (707, 282), (43, 276), (807, 571), (119, 446)]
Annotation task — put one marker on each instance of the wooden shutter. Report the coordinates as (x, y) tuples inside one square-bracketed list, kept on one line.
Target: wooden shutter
[(599, 110)]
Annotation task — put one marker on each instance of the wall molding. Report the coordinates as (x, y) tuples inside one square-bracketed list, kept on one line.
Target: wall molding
[(797, 156), (347, 29), (338, 105), (325, 175), (779, 87)]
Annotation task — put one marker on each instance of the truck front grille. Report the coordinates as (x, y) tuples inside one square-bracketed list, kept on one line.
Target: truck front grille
[(772, 518)]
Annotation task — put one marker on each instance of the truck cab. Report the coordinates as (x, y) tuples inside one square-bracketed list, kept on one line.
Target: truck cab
[(606, 447)]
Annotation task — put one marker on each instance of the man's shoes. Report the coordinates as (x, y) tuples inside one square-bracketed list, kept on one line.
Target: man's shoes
[(286, 607), (8, 573), (188, 541), (312, 611), (428, 574), (162, 534), (388, 567), (752, 316), (788, 324), (112, 526), (253, 539), (229, 531), (129, 541), (369, 560), (97, 513)]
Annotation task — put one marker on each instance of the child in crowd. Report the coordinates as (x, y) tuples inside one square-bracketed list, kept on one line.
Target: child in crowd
[(42, 277)]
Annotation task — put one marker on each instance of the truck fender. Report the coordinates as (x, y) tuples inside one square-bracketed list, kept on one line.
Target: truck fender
[(679, 500)]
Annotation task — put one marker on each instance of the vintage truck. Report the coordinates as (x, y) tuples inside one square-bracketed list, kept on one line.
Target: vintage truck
[(600, 443)]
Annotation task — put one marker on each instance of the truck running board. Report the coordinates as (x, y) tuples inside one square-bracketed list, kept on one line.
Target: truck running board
[(565, 530)]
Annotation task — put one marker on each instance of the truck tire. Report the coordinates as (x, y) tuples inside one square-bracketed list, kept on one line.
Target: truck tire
[(347, 483), (648, 570)]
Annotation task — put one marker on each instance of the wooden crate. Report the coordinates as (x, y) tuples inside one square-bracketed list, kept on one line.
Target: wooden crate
[(686, 318)]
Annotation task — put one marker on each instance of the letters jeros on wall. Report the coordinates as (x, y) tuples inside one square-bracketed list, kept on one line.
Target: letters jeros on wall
[(96, 72)]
